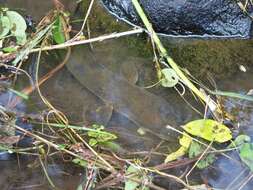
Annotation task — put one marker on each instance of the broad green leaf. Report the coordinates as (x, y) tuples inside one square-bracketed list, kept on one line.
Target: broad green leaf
[(197, 149), (246, 154), (129, 184), (5, 26), (18, 27), (185, 142), (170, 78), (209, 129), (58, 31)]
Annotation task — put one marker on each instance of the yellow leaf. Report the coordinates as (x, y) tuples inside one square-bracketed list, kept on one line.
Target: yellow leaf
[(185, 142), (209, 129)]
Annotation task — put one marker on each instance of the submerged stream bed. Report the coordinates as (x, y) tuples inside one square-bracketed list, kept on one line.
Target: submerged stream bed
[(105, 83)]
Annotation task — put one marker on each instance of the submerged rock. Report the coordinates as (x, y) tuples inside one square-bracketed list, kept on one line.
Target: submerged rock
[(217, 18)]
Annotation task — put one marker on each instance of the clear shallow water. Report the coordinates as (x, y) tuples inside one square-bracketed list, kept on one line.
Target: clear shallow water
[(70, 96)]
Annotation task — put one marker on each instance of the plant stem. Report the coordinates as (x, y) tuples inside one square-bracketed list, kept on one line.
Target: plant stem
[(164, 54)]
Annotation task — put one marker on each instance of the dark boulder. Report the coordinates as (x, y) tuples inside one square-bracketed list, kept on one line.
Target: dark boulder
[(215, 18)]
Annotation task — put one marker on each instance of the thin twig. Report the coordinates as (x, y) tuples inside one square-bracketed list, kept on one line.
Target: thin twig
[(81, 42)]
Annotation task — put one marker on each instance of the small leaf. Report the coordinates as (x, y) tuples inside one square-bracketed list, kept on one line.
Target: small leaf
[(246, 154), (197, 149), (209, 130), (170, 78), (80, 162), (9, 49), (240, 140), (129, 184), (21, 38), (185, 142), (5, 26), (93, 142), (58, 31)]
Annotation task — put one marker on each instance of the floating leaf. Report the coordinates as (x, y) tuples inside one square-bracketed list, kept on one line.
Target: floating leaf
[(246, 154), (170, 78), (197, 149), (58, 31), (185, 142), (209, 130), (5, 26)]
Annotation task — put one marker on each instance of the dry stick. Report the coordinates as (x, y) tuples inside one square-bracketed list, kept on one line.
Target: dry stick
[(164, 54), (97, 39), (84, 22)]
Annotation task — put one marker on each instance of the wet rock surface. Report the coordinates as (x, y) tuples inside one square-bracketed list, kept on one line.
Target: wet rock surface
[(218, 18)]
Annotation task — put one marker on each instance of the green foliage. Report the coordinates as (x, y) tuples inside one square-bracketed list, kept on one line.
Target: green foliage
[(137, 175), (80, 162), (185, 142), (100, 136), (170, 77), (5, 26), (129, 184), (209, 130), (246, 154), (197, 149), (9, 49), (58, 30), (17, 26), (242, 142)]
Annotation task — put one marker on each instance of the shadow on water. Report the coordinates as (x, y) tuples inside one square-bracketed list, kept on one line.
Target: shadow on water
[(98, 85)]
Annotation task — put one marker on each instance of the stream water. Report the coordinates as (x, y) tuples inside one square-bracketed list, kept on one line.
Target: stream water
[(82, 95)]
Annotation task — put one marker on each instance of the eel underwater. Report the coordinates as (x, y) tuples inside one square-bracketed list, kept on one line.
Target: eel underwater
[(137, 104)]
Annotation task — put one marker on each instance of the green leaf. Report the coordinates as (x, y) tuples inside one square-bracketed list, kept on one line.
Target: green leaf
[(100, 136), (240, 140), (5, 26), (9, 49), (93, 142), (246, 154), (21, 38), (80, 162), (18, 26), (20, 94), (197, 149), (129, 184), (185, 142), (58, 31), (170, 78), (209, 130)]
